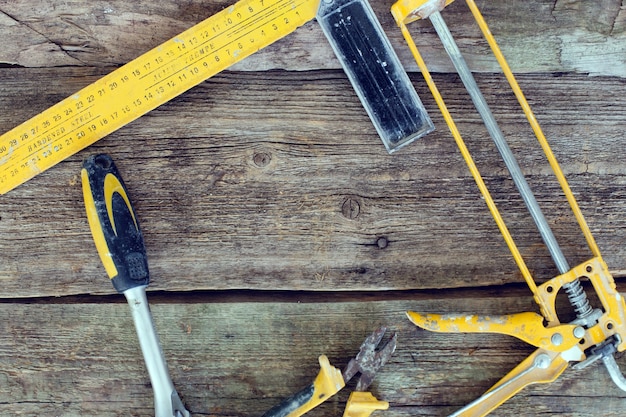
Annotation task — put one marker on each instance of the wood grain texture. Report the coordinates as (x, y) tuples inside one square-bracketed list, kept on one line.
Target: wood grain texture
[(304, 196), (239, 359), (537, 36), (279, 229)]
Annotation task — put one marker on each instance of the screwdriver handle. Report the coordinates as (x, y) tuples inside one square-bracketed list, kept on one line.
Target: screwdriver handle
[(113, 224)]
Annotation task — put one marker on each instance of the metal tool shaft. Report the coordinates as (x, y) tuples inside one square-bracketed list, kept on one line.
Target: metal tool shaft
[(575, 291), (498, 138), (166, 400)]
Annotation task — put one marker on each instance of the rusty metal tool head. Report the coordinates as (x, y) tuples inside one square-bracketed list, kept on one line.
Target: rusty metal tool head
[(330, 380), (370, 358)]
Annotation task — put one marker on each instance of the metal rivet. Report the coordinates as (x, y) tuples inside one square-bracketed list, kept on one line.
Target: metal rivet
[(542, 361), (557, 339), (579, 332)]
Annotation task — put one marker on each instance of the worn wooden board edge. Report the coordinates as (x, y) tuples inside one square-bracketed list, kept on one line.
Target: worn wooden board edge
[(239, 359), (421, 223), (536, 36)]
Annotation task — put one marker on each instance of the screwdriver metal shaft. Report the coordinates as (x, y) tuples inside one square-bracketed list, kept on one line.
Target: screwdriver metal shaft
[(167, 403)]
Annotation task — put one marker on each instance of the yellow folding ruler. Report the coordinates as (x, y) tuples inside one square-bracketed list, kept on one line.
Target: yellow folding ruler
[(201, 52)]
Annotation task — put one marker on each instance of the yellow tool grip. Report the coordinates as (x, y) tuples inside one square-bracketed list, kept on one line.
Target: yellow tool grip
[(113, 224), (526, 326), (363, 404), (541, 367), (407, 11), (328, 382)]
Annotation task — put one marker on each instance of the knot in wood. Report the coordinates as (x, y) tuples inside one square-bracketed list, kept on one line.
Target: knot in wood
[(351, 208), (262, 159)]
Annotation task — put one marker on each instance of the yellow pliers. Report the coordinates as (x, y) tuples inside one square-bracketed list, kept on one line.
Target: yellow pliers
[(331, 380)]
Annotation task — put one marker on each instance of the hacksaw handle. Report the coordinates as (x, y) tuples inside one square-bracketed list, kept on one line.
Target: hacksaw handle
[(113, 224)]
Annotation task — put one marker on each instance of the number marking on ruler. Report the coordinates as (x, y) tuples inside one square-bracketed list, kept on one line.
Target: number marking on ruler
[(145, 83)]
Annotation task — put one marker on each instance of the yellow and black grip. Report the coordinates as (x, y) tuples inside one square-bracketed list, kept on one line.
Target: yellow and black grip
[(113, 224), (327, 383)]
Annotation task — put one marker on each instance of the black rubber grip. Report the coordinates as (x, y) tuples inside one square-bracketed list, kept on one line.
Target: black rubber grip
[(113, 223), (292, 403)]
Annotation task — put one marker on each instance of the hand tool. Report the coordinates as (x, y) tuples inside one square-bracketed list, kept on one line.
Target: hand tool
[(367, 362), (330, 381), (596, 333), (119, 242), (203, 51)]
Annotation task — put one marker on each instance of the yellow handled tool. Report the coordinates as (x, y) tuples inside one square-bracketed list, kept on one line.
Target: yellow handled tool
[(363, 404), (119, 242), (331, 380), (327, 383), (203, 51), (597, 333)]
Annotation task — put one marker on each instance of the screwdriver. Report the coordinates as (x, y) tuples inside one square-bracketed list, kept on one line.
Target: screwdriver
[(120, 244)]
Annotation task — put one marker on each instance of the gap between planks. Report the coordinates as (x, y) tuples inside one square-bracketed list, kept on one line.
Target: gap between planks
[(280, 296)]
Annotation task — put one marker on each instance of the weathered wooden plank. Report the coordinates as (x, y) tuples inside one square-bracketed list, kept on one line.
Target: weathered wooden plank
[(239, 359), (278, 181), (537, 36)]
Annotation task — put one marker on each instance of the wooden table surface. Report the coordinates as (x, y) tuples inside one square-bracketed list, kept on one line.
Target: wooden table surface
[(279, 229)]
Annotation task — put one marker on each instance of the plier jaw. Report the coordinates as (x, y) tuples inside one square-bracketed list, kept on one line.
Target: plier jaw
[(331, 380), (370, 359)]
